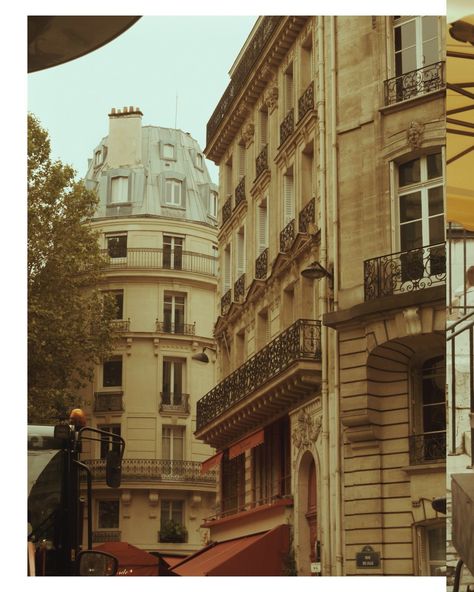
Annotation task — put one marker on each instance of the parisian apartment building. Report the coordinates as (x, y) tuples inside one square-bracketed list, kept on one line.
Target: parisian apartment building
[(157, 226), (328, 415)]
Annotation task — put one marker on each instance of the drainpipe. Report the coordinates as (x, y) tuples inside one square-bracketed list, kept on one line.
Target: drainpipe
[(335, 399), (325, 532)]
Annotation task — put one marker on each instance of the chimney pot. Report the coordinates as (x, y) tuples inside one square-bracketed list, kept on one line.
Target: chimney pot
[(131, 109), (113, 110)]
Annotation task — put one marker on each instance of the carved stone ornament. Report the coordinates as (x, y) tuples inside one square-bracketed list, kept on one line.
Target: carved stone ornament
[(271, 98), (307, 430), (415, 134), (248, 132)]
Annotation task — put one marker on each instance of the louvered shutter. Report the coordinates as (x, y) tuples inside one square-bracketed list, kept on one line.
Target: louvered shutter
[(289, 201)]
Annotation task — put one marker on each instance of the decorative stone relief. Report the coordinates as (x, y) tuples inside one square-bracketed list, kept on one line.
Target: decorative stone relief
[(306, 430), (248, 132), (413, 321), (415, 134), (271, 98)]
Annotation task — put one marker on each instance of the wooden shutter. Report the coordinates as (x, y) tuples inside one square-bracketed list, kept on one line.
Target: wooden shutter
[(289, 200), (262, 228)]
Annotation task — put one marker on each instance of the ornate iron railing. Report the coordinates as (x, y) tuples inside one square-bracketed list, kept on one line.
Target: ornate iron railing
[(106, 536), (287, 126), (175, 328), (261, 162), (144, 258), (306, 216), (241, 73), (287, 236), (427, 447), (227, 210), (240, 192), (306, 101), (121, 326), (239, 288), (261, 265), (108, 401), (414, 83), (302, 340), (405, 271), (164, 536), (174, 402), (151, 469), (226, 301)]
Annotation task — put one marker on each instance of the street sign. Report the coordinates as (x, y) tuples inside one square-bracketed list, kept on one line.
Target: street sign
[(368, 558), (316, 567)]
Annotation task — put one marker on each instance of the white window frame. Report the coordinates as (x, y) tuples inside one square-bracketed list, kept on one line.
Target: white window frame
[(173, 433), (119, 189), (213, 204), (172, 298), (262, 226), (176, 248), (165, 153), (289, 205), (101, 501), (174, 192), (419, 57)]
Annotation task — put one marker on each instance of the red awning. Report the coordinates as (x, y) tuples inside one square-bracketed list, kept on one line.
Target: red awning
[(211, 462), (246, 443), (132, 560), (255, 555)]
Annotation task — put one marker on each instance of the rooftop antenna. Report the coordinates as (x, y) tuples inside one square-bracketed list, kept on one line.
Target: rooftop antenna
[(176, 113)]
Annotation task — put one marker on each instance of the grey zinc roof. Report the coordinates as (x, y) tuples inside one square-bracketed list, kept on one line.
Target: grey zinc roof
[(148, 178)]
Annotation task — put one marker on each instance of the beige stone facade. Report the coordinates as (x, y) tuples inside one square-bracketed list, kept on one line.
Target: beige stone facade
[(156, 225), (330, 403)]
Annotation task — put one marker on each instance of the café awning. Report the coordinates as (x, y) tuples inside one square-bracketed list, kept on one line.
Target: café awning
[(246, 443), (132, 561), (211, 462)]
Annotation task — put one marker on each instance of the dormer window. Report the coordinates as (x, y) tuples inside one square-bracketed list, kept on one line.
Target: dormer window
[(98, 158), (119, 189), (213, 204), (168, 152), (173, 192), (199, 161)]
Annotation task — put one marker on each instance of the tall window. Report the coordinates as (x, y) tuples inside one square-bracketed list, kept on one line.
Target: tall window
[(240, 252), (432, 549), (173, 382), (173, 443), (108, 514), (173, 192), (227, 270), (416, 42), (288, 197), (262, 229), (119, 189), (117, 295), (112, 372), (117, 246), (107, 443), (228, 178), (172, 528), (289, 88), (233, 483), (173, 313), (168, 152), (172, 252), (213, 204), (306, 71), (263, 129)]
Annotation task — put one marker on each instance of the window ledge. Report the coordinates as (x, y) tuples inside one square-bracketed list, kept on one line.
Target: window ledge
[(419, 99), (433, 467)]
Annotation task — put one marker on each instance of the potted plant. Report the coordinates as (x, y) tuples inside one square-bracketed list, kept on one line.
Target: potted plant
[(173, 532)]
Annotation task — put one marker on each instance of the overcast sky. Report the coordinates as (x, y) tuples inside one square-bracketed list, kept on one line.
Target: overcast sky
[(175, 68)]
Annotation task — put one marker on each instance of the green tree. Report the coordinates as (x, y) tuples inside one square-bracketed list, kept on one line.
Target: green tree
[(69, 321)]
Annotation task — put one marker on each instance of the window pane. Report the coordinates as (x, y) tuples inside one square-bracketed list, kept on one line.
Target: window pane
[(405, 35), (407, 61), (119, 305), (117, 246), (434, 418), (109, 514), (435, 165), (430, 27), (430, 52), (410, 207), (435, 200), (411, 236), (113, 373), (168, 151), (436, 230), (409, 172), (437, 543)]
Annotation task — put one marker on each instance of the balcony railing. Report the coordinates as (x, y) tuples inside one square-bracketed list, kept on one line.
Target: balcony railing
[(306, 101), (261, 162), (174, 403), (287, 236), (121, 326), (106, 536), (261, 265), (300, 341), (108, 401), (427, 447), (144, 258), (144, 469), (306, 216), (287, 126), (175, 328), (240, 192), (405, 271), (226, 301), (227, 210), (239, 288), (414, 83)]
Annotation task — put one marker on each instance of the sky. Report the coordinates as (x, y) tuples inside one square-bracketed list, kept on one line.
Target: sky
[(175, 68)]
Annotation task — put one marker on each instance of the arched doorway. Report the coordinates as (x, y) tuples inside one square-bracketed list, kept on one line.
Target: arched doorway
[(307, 514)]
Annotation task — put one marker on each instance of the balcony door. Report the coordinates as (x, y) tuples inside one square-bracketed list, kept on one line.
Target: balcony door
[(173, 382), (172, 252), (173, 313), (416, 42), (173, 451)]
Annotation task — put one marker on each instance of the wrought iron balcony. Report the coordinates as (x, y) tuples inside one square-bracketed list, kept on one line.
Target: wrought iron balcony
[(287, 126), (178, 535), (106, 536), (227, 210), (148, 469), (121, 326), (427, 447), (174, 403), (301, 341), (151, 259), (405, 271), (108, 401), (307, 216), (414, 83), (306, 101), (226, 301), (261, 265), (240, 192), (261, 162), (239, 288), (287, 236), (175, 328)]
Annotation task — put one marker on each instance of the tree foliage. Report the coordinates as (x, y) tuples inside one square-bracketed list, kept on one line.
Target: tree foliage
[(69, 322)]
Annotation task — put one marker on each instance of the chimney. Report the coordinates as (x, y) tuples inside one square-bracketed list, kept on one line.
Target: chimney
[(125, 137)]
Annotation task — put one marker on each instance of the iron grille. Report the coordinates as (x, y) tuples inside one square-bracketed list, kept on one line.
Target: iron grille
[(227, 210), (261, 265), (261, 162), (287, 236), (306, 216), (239, 288), (108, 401), (287, 126), (240, 192), (226, 301), (176, 328), (427, 447), (414, 83), (306, 101)]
